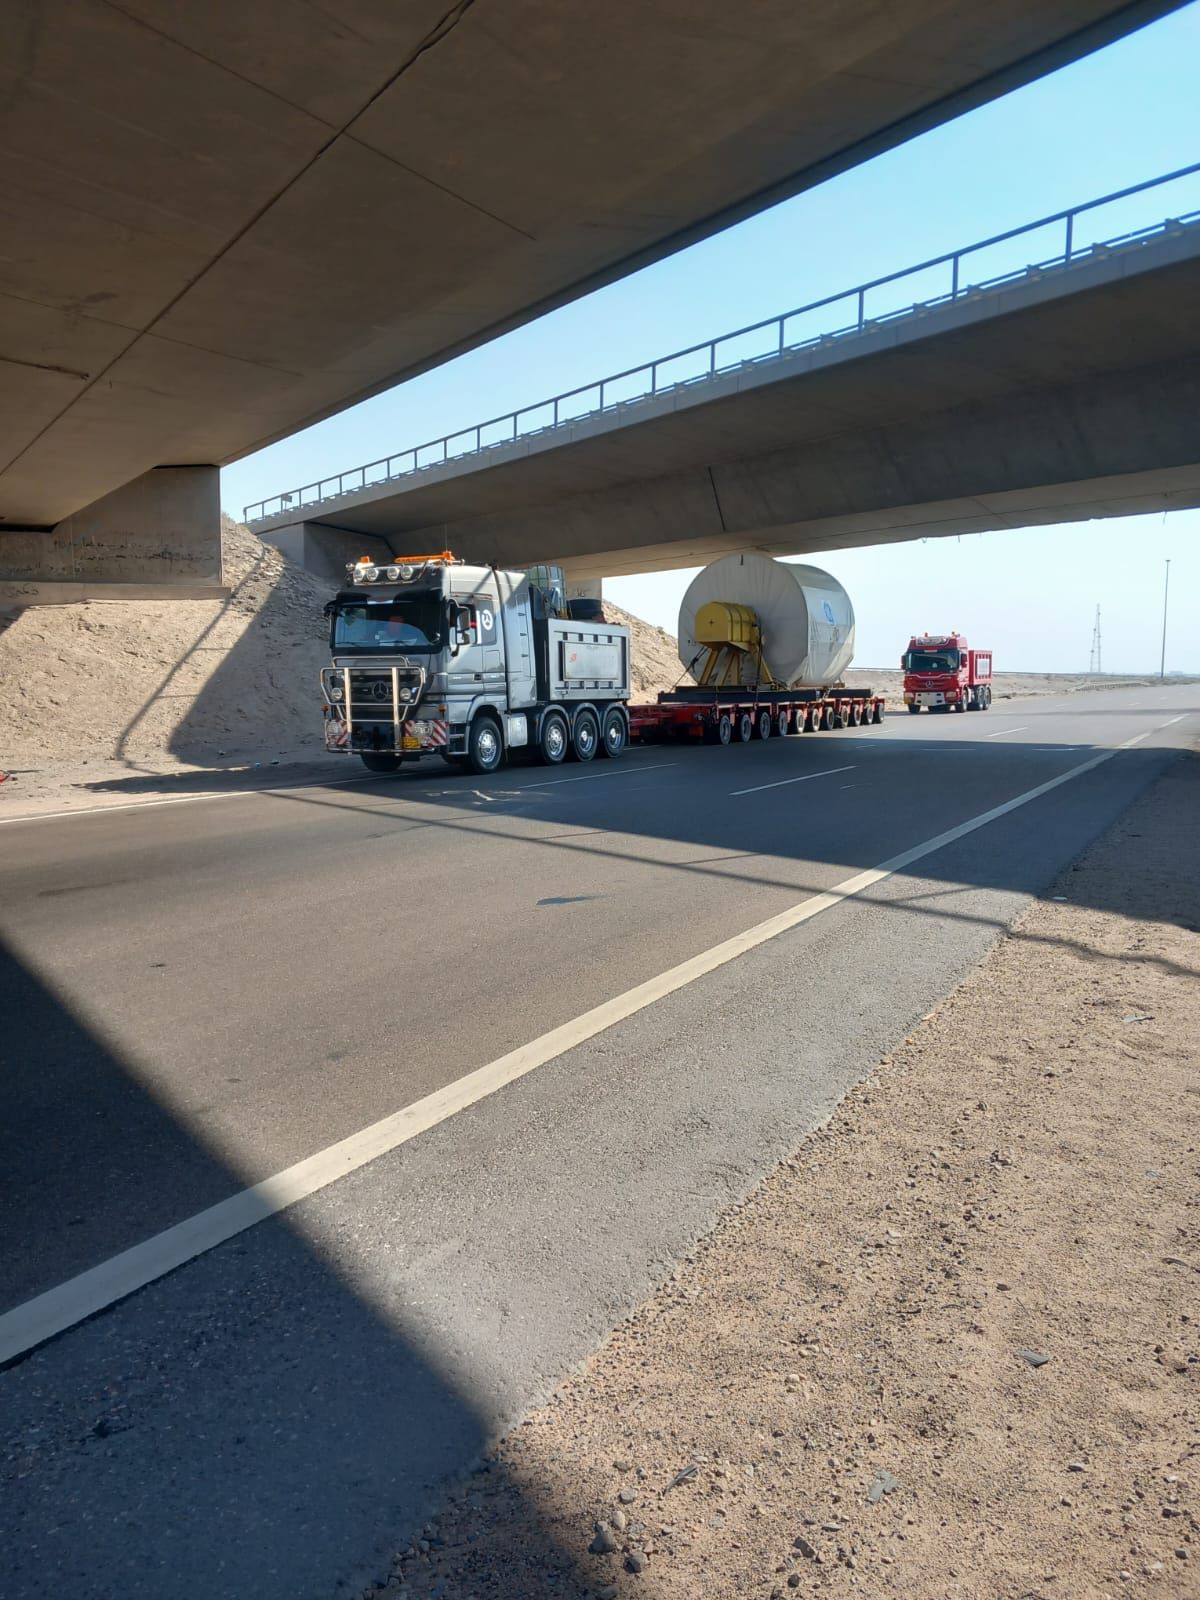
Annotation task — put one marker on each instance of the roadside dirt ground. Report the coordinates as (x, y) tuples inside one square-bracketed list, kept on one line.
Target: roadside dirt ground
[(950, 1348)]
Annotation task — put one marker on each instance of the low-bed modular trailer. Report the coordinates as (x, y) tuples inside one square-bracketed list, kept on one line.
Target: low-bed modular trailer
[(733, 716)]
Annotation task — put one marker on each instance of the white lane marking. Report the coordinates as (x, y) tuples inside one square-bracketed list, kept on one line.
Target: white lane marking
[(188, 799), (1000, 732), (783, 782), (1174, 720), (39, 1319), (627, 772)]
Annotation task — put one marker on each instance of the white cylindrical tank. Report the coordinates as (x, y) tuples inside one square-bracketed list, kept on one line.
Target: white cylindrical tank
[(805, 617)]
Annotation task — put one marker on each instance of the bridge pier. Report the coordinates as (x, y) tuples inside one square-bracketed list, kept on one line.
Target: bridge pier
[(157, 537)]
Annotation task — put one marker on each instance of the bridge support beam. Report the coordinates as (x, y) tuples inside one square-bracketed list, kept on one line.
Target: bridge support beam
[(157, 537)]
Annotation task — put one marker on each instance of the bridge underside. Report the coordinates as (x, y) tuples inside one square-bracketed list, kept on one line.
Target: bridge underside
[(1079, 400), (228, 221)]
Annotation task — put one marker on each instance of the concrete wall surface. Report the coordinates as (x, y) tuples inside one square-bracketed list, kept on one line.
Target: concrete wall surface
[(163, 529)]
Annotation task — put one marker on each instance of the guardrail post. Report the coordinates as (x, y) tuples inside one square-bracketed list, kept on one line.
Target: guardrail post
[(602, 396), (862, 306), (954, 280), (654, 377), (780, 349), (1070, 237)]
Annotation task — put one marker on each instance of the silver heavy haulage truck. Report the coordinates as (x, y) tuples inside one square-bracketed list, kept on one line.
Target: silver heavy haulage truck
[(433, 656)]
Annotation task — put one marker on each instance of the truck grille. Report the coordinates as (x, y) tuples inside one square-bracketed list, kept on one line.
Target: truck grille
[(371, 695)]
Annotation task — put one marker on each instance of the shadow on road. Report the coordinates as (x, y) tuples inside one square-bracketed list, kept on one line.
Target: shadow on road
[(249, 1426)]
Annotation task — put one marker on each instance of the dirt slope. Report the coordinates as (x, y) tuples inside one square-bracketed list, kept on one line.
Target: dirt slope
[(199, 680)]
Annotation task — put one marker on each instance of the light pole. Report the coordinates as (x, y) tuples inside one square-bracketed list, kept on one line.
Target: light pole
[(1162, 665)]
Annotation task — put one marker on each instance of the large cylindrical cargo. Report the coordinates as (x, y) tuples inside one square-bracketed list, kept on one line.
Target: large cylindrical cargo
[(805, 617)]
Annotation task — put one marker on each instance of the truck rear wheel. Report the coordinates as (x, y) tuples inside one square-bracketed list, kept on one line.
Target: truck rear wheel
[(613, 735), (745, 727), (585, 736), (485, 748), (724, 729), (376, 761), (764, 725), (554, 740)]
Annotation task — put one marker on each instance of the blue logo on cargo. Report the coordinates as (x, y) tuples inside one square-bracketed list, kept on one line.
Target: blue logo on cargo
[(828, 612)]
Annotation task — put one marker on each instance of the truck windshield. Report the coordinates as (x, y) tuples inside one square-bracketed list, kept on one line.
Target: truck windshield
[(411, 624), (931, 661)]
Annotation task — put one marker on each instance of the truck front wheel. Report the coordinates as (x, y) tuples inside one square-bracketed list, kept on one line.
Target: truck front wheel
[(376, 761), (485, 749), (914, 710)]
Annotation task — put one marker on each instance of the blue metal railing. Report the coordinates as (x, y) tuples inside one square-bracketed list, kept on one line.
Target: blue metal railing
[(635, 385)]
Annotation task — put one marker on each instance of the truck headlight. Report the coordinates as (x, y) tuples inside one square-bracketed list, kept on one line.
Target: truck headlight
[(335, 691)]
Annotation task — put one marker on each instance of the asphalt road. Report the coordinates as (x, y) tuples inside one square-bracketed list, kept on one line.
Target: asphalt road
[(198, 996)]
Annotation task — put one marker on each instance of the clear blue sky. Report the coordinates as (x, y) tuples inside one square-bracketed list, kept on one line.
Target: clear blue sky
[(1120, 116)]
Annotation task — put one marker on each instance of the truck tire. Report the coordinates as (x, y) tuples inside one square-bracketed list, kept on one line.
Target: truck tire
[(554, 740), (783, 724), (585, 736), (877, 711), (852, 715), (987, 698), (377, 761), (914, 711), (485, 746), (745, 727), (614, 735), (724, 729), (764, 727)]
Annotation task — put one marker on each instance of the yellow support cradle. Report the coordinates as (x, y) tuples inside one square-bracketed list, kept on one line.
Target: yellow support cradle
[(729, 633)]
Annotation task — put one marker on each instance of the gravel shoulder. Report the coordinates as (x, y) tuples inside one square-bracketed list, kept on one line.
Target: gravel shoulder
[(949, 1348)]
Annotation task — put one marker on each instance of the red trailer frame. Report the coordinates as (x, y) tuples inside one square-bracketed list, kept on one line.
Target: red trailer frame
[(732, 716)]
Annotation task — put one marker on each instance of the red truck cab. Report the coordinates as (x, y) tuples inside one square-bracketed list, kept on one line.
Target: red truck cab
[(941, 671)]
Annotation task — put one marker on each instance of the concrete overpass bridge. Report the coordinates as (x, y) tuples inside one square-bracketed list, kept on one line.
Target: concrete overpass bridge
[(233, 219), (964, 394)]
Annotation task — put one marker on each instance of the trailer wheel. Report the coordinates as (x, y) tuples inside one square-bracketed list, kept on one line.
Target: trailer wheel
[(745, 727), (485, 746), (554, 740), (783, 724), (852, 714), (810, 721), (724, 729), (764, 727), (585, 736), (377, 761), (877, 711), (613, 735)]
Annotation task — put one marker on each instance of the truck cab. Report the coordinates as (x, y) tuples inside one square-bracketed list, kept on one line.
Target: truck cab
[(943, 673), (430, 655)]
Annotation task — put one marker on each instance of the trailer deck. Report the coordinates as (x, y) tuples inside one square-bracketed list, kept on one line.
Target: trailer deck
[(731, 716)]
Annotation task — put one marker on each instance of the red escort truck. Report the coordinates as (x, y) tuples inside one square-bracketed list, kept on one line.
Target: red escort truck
[(942, 672)]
